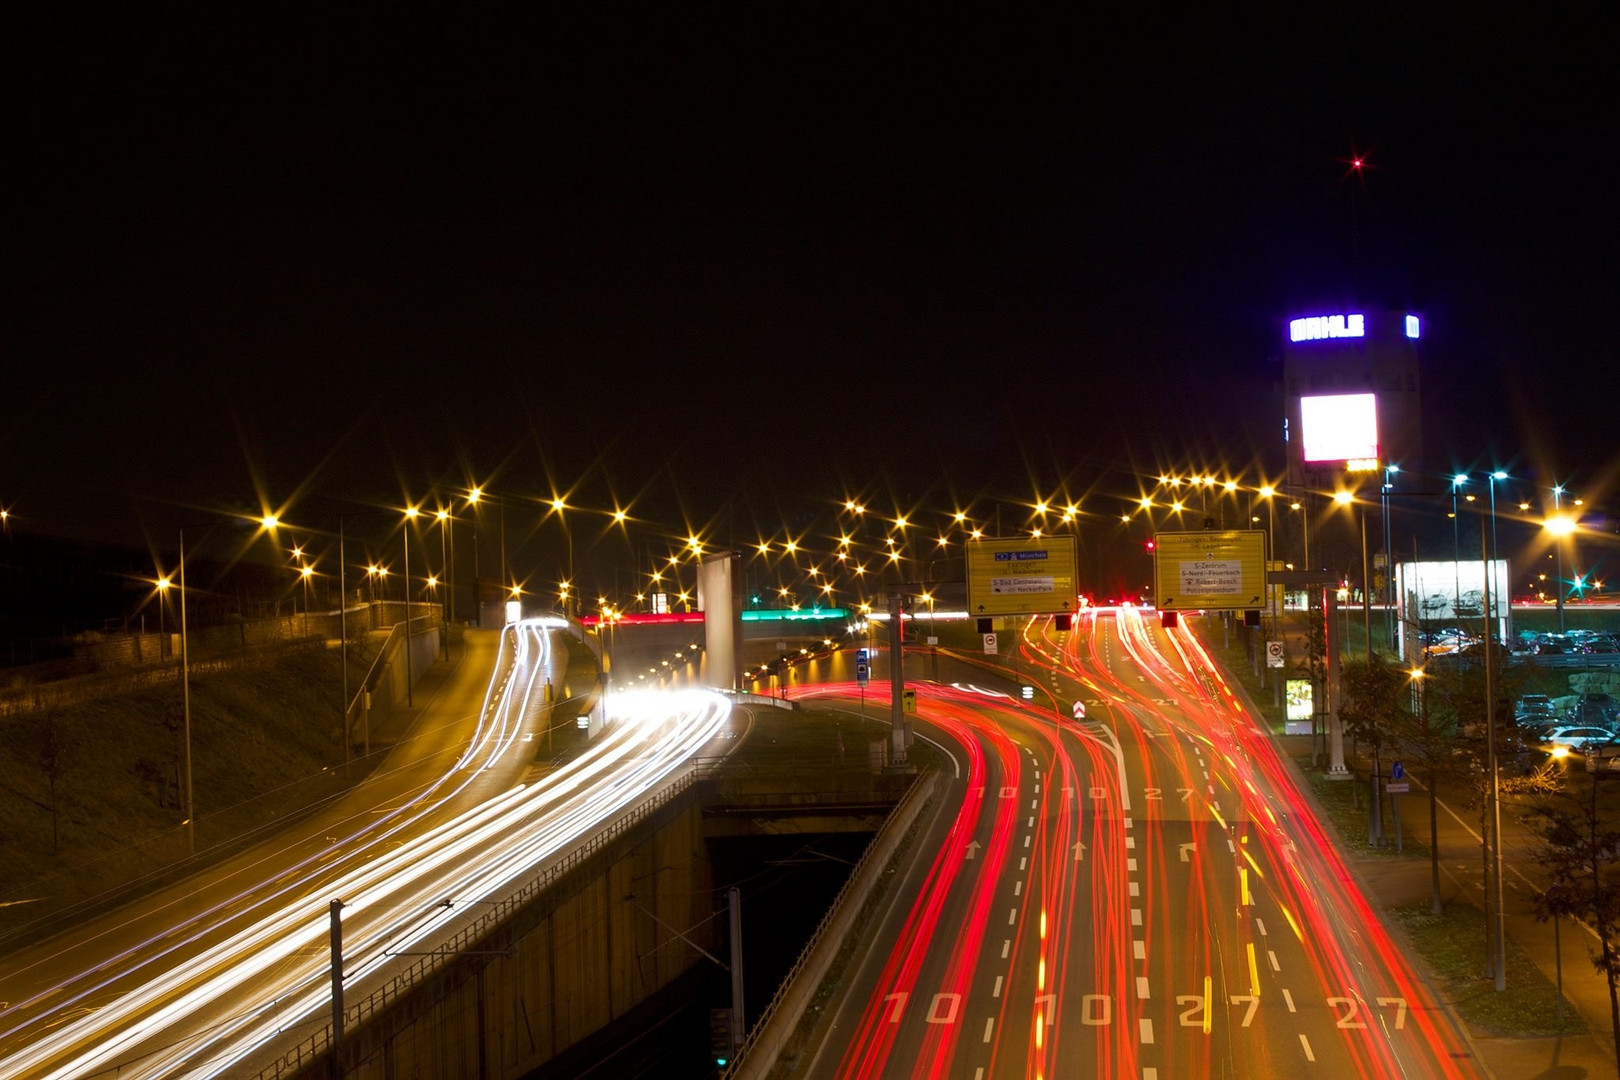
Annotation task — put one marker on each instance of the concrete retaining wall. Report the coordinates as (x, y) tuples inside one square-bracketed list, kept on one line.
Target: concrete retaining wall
[(577, 957)]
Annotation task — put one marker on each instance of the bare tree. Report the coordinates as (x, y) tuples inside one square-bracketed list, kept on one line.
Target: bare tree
[(1580, 851)]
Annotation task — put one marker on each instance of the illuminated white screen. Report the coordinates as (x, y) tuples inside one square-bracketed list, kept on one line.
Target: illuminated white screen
[(1411, 326), (1338, 427), (1318, 327)]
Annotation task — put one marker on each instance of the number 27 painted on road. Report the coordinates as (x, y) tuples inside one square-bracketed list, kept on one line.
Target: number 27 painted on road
[(1097, 1010)]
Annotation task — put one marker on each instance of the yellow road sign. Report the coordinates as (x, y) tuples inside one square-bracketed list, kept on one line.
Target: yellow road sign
[(1022, 576), (1213, 570)]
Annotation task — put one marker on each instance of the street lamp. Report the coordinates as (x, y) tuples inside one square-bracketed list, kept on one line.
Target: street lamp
[(1348, 498), (163, 584), (411, 513), (1457, 481), (558, 504), (1558, 546), (447, 559), (1560, 527), (306, 572)]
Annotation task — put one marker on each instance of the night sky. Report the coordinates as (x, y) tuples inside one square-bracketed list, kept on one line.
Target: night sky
[(702, 256)]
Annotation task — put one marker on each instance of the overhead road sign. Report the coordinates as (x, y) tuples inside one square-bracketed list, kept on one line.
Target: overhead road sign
[(1022, 576), (1217, 570)]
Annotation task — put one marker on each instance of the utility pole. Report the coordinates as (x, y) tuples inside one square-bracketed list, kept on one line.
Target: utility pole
[(900, 729), (739, 1030), (336, 911)]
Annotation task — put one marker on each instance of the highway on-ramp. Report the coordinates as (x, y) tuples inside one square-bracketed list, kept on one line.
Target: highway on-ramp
[(200, 978)]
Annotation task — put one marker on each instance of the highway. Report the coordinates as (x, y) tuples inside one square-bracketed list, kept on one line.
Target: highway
[(1143, 893), (200, 978)]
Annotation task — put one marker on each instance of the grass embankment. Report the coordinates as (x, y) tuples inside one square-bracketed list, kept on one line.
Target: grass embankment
[(265, 744), (1345, 804), (1452, 945)]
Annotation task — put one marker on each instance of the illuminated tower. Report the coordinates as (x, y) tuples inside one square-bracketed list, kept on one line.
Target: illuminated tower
[(1352, 389)]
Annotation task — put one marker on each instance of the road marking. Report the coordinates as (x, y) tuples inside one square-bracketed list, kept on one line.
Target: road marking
[(1254, 972), (1275, 966), (1005, 945), (1231, 847), (1139, 948), (1206, 772), (989, 1026), (1018, 888), (1306, 1043), (1149, 1073), (1211, 789), (1136, 916), (1130, 864), (1144, 1030), (1037, 786), (1142, 987), (1023, 862), (978, 1074), (1288, 999), (1130, 841), (997, 991), (1134, 888), (1260, 925), (1030, 823), (1012, 917), (1026, 841), (1127, 823), (1033, 803)]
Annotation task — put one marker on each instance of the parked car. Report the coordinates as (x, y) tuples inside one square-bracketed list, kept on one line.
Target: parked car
[(1535, 705), (1575, 738), (1603, 759), (1594, 709)]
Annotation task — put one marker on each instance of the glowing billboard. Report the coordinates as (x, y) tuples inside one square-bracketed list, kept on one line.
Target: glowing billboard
[(1320, 327), (1339, 427), (1429, 591), (1448, 596)]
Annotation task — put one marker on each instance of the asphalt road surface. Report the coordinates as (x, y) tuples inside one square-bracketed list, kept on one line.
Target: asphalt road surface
[(1143, 892)]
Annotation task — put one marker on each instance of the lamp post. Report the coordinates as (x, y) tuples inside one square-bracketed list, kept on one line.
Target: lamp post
[(1386, 505), (1457, 481), (185, 699), (163, 584), (558, 506), (447, 559), (306, 572), (1558, 547), (1499, 948), (1348, 498), (1304, 526), (268, 522), (411, 513), (1560, 527)]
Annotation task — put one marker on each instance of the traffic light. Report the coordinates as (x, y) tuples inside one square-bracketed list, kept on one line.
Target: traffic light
[(720, 1036)]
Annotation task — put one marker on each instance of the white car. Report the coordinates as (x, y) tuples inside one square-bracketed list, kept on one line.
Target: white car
[(1575, 737)]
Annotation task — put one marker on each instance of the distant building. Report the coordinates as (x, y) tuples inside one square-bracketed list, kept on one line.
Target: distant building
[(1352, 390)]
